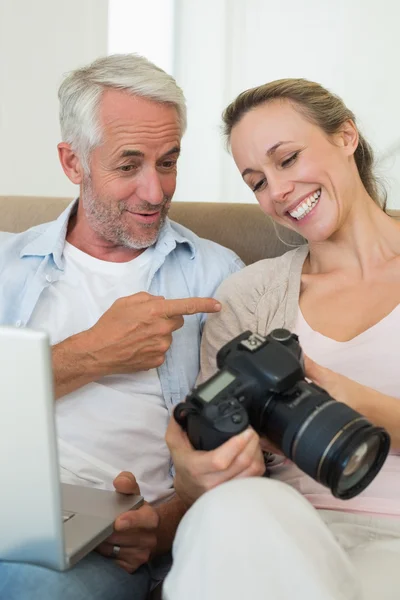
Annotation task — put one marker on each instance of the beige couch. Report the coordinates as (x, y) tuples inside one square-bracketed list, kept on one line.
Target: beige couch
[(241, 227)]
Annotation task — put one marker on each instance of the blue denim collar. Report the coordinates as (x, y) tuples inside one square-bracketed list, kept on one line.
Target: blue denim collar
[(51, 238)]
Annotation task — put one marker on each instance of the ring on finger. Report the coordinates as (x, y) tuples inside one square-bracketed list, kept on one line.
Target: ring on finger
[(115, 551)]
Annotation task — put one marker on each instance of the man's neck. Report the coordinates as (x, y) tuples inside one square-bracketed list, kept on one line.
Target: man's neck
[(86, 240)]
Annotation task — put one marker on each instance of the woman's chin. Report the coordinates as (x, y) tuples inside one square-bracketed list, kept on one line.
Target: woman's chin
[(320, 232)]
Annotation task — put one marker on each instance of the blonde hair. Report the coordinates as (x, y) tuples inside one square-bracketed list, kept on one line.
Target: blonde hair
[(317, 105)]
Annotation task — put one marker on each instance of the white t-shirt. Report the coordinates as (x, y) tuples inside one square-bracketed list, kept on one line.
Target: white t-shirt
[(118, 422)]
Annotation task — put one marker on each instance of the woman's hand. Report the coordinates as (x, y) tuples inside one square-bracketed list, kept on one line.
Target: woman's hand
[(268, 446), (341, 388), (379, 409)]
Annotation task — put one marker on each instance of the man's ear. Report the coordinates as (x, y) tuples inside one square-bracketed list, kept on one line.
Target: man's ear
[(70, 163), (348, 137)]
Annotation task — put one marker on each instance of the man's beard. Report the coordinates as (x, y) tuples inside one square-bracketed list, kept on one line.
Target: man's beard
[(106, 219)]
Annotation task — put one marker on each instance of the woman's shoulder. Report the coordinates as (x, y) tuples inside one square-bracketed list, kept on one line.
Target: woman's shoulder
[(264, 276), (250, 298)]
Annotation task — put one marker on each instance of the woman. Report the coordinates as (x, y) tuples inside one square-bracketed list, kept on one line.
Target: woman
[(298, 148)]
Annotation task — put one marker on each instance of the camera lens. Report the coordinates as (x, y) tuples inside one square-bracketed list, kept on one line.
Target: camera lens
[(332, 443), (355, 461), (359, 464)]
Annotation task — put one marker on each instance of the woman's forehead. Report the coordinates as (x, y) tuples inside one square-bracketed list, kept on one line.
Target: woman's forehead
[(272, 118)]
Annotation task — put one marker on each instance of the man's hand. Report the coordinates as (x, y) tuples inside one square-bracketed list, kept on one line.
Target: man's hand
[(136, 332), (133, 335), (135, 531), (199, 471)]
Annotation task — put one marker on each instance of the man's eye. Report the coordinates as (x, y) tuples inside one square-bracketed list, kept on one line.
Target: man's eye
[(168, 164), (127, 168), (259, 185), (288, 161)]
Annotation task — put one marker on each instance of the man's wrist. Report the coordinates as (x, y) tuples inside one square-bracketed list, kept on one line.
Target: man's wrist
[(74, 364), (170, 514)]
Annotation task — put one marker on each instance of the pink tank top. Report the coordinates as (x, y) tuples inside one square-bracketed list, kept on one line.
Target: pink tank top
[(372, 359)]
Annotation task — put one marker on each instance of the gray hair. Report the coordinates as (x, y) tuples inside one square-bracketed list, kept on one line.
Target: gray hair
[(81, 91)]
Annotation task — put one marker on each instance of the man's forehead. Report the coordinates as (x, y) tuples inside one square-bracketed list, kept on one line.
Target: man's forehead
[(118, 106)]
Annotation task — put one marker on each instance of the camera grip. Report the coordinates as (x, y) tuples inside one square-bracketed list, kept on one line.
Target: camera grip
[(207, 432)]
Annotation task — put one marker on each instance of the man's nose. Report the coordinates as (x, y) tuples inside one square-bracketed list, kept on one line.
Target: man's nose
[(150, 188)]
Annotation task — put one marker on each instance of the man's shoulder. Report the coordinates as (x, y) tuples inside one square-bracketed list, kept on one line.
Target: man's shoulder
[(39, 240), (13, 243), (205, 264), (206, 250)]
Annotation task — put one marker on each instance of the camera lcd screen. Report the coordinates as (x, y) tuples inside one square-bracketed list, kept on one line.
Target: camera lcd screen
[(216, 385)]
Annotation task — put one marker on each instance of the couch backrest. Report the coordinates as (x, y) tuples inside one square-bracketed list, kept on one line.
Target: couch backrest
[(242, 227)]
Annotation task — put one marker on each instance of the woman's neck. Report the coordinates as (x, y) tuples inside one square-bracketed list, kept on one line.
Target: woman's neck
[(367, 238)]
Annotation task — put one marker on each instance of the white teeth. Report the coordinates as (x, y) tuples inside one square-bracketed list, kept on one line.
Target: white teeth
[(306, 206)]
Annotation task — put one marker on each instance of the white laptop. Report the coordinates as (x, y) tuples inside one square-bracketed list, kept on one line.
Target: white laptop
[(41, 520)]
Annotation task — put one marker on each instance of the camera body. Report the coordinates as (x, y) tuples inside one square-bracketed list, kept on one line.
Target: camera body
[(249, 367), (261, 383)]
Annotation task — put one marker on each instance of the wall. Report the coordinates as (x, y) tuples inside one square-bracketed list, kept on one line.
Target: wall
[(145, 27), (220, 48), (225, 46), (40, 41)]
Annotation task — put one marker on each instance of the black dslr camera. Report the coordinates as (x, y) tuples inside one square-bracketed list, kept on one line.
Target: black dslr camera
[(261, 383)]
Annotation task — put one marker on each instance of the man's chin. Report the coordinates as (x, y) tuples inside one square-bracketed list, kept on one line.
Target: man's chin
[(143, 239)]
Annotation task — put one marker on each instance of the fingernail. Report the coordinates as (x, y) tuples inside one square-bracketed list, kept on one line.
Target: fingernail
[(126, 478), (247, 434), (217, 306), (123, 525)]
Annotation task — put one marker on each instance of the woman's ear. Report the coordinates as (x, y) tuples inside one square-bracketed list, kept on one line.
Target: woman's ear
[(348, 137)]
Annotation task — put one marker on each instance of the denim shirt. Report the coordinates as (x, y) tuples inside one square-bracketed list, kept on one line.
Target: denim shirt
[(184, 265)]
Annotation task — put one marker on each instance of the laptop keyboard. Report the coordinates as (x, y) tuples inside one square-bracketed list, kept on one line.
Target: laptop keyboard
[(66, 516)]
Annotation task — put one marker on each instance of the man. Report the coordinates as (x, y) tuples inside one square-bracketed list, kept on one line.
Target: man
[(122, 292)]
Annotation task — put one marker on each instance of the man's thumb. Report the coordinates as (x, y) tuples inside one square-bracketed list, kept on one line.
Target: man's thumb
[(125, 483)]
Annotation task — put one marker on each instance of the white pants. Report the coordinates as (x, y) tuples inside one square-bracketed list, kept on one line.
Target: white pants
[(260, 539)]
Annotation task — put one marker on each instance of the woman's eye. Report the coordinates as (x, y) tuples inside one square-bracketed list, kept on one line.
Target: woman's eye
[(288, 161), (259, 185)]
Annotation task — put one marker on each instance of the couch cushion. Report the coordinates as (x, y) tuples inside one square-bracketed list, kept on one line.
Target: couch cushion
[(242, 227), (18, 213)]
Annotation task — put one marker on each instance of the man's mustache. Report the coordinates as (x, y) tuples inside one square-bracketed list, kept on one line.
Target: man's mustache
[(144, 207)]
